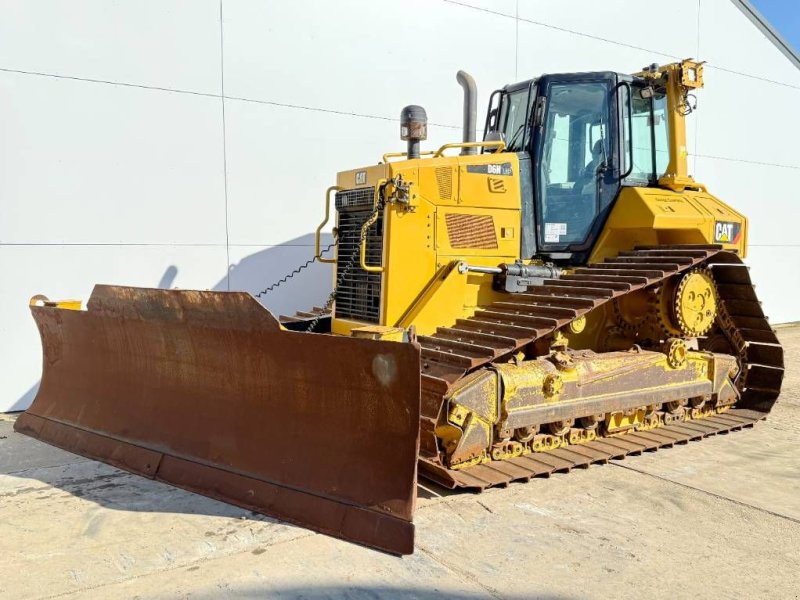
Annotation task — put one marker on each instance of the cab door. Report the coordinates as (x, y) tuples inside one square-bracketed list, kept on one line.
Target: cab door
[(576, 161)]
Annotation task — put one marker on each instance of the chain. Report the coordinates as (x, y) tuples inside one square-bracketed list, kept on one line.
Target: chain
[(296, 271), (347, 267)]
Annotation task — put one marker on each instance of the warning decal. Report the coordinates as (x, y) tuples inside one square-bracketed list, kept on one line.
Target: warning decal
[(554, 231)]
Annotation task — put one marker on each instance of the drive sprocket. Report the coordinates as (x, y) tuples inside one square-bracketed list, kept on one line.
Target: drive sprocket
[(695, 302)]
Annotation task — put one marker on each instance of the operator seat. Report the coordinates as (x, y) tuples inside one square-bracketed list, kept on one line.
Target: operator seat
[(585, 206)]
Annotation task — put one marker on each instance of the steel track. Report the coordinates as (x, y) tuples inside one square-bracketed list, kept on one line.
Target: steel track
[(498, 330), (600, 451)]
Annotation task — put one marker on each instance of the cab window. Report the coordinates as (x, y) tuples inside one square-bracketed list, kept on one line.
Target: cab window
[(512, 119), (574, 158), (647, 131)]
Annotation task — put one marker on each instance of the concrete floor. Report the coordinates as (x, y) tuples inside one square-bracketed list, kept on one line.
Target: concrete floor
[(718, 518)]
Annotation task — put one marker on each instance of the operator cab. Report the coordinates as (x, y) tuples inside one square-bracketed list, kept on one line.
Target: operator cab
[(580, 137)]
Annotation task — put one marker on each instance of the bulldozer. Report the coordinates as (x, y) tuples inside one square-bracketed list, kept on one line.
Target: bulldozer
[(560, 294)]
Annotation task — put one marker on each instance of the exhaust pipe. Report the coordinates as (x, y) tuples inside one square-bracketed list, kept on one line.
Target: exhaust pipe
[(466, 81)]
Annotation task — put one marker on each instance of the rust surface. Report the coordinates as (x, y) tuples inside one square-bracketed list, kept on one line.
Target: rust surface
[(600, 451), (203, 390)]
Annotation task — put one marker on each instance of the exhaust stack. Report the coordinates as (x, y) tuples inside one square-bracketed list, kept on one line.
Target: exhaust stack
[(466, 81)]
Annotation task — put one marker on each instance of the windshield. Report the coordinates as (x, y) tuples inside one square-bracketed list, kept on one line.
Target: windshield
[(574, 157), (512, 119)]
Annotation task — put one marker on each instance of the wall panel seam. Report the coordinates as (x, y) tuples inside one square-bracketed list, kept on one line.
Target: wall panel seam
[(615, 42), (220, 96), (119, 244), (744, 160), (224, 148)]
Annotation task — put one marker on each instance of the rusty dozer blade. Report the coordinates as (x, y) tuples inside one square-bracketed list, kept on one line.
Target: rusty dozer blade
[(205, 391)]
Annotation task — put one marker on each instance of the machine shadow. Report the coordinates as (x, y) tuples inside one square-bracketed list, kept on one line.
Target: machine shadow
[(301, 283), (26, 399), (103, 484), (334, 592), (254, 273)]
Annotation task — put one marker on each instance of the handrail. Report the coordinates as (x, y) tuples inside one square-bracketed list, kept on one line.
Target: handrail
[(367, 224), (317, 245), (499, 144), (627, 86), (389, 155)]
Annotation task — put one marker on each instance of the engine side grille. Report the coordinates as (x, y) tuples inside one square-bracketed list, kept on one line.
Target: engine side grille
[(471, 231), (358, 296), (360, 197), (444, 180)]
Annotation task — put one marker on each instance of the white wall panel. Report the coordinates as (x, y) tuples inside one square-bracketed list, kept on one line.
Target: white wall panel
[(277, 178), (503, 7), (364, 57), (757, 124), (728, 39), (762, 192), (62, 272), (774, 272), (93, 163), (163, 43), (253, 268), (667, 28), (537, 53)]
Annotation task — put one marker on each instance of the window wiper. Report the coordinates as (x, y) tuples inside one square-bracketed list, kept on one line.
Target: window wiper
[(513, 139)]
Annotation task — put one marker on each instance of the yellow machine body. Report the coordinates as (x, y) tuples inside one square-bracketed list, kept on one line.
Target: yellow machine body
[(456, 213), (660, 217), (453, 215)]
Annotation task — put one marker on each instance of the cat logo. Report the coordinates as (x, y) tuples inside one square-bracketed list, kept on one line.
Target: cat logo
[(727, 232), (497, 186), (361, 177)]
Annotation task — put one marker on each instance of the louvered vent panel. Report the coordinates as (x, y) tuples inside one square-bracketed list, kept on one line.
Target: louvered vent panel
[(444, 179), (471, 231)]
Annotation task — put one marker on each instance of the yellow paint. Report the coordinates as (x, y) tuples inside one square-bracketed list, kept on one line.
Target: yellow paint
[(479, 406), (365, 227), (656, 217), (318, 233), (578, 325), (619, 421), (677, 79), (40, 300), (447, 288), (497, 145), (696, 303), (420, 285), (379, 332)]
